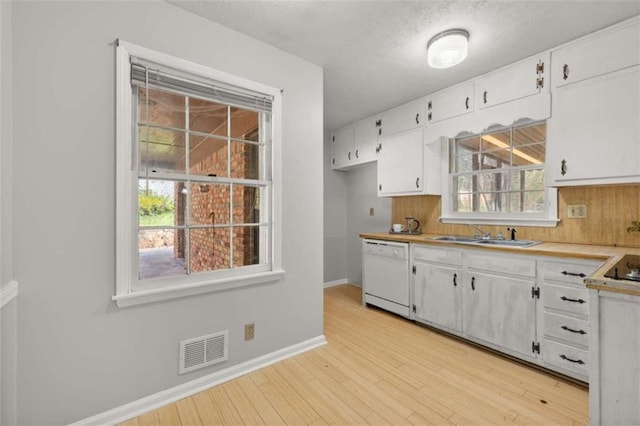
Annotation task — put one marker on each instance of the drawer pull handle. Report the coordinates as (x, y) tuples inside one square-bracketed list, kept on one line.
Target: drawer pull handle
[(566, 299), (564, 327), (573, 274), (577, 361)]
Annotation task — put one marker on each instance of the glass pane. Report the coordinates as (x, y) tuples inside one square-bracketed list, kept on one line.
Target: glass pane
[(209, 204), (530, 134), (464, 202), (496, 140), (209, 249), (244, 125), (244, 160), (492, 202), (246, 204), (207, 117), (160, 253), (529, 155), (492, 182), (208, 156), (467, 163), (165, 109), (462, 184), (533, 201), (496, 159), (160, 203), (161, 150), (468, 145), (246, 247)]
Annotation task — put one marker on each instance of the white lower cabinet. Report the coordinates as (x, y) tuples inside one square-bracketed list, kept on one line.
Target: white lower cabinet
[(614, 354), (438, 287), (535, 308)]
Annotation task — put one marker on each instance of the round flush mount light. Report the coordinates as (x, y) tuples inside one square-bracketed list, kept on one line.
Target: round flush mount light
[(447, 48)]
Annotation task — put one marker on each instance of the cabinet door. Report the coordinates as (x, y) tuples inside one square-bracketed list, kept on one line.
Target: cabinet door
[(517, 81), (600, 54), (400, 164), (437, 295), (448, 103), (501, 311), (595, 130), (406, 117), (341, 147), (365, 141)]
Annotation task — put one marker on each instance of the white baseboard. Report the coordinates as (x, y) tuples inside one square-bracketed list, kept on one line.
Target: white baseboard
[(8, 293), (335, 283), (151, 402)]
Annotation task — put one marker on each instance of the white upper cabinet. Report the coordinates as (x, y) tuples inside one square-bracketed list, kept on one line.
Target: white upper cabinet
[(451, 102), (400, 164), (517, 81), (406, 117), (594, 130), (354, 144)]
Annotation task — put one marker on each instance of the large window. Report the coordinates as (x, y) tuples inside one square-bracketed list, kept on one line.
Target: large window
[(499, 173), (195, 174)]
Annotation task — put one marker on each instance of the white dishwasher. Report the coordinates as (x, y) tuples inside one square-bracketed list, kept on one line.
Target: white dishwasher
[(385, 275)]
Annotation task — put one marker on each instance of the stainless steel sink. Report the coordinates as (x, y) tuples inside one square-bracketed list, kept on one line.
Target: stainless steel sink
[(509, 243), (479, 241)]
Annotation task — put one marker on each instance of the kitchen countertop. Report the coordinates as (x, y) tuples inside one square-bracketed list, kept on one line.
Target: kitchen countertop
[(609, 254)]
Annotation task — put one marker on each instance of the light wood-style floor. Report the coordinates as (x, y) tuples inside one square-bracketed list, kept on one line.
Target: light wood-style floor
[(382, 369)]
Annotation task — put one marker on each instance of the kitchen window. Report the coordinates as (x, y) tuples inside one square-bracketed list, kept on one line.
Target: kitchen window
[(196, 184), (498, 176)]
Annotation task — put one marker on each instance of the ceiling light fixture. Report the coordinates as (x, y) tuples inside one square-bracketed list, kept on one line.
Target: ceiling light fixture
[(447, 48)]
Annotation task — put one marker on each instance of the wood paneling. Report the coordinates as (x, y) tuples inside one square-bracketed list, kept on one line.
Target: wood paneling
[(610, 211), (379, 368)]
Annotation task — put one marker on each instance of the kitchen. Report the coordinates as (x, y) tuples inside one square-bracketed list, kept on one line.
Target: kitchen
[(57, 74)]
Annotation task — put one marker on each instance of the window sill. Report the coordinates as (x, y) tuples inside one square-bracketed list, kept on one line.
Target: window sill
[(476, 220), (173, 292)]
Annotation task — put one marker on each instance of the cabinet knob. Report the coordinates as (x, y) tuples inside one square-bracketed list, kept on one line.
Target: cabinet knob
[(565, 71)]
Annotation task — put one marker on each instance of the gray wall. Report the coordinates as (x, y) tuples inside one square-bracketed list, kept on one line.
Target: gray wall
[(335, 218), (79, 355), (361, 196), (8, 314)]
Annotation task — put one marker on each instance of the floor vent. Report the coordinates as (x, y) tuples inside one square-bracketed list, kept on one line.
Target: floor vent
[(203, 351)]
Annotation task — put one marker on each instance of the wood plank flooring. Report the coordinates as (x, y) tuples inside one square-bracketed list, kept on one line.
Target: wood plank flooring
[(381, 369)]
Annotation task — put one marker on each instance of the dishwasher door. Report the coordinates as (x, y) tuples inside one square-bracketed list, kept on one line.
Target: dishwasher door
[(385, 275)]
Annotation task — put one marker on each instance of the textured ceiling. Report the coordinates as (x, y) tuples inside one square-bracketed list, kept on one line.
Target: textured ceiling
[(374, 52)]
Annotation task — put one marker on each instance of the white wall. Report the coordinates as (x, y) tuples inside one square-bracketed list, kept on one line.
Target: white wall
[(335, 219), (8, 313), (361, 196), (80, 355)]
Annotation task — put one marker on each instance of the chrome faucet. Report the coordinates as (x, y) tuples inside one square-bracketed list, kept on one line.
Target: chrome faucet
[(482, 235)]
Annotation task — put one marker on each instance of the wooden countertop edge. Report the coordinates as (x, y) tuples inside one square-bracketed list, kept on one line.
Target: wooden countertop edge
[(597, 281)]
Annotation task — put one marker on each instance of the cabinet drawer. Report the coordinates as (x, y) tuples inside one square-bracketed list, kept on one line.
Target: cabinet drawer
[(497, 264), (568, 299), (448, 257), (572, 330), (566, 357), (569, 272)]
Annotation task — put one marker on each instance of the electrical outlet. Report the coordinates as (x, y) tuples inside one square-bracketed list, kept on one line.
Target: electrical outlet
[(249, 331), (371, 211), (577, 211)]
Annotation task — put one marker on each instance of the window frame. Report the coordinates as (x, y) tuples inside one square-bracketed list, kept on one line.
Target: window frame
[(129, 289), (547, 217)]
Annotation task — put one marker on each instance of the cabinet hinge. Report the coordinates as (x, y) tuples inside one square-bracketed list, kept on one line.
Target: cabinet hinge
[(429, 106), (535, 292), (414, 309), (413, 269), (540, 83), (379, 123), (535, 347), (540, 68), (379, 148)]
